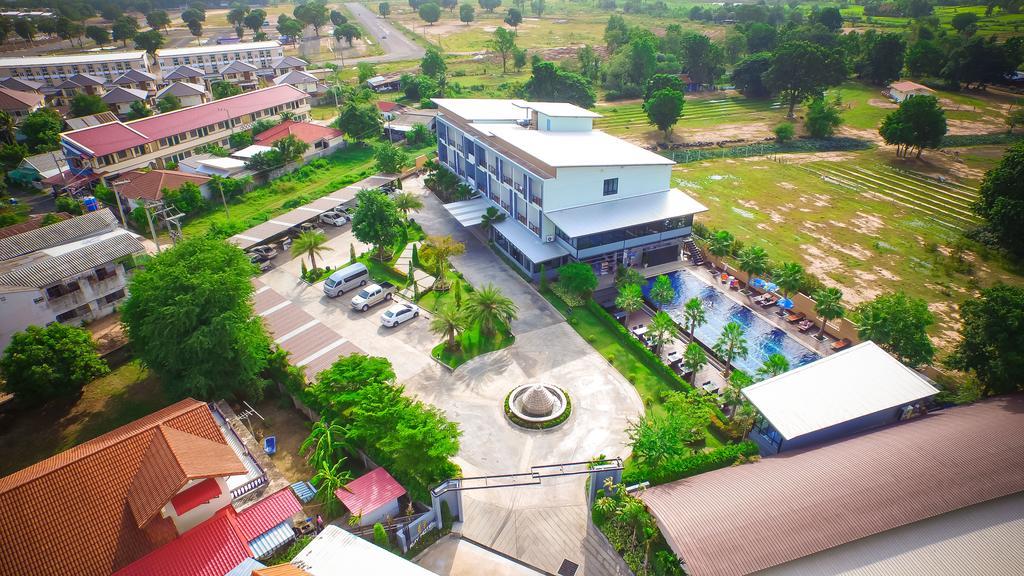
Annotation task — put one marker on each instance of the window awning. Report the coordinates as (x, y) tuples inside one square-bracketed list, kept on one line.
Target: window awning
[(530, 245), (615, 214)]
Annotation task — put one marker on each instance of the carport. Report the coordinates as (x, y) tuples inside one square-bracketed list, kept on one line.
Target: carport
[(468, 212)]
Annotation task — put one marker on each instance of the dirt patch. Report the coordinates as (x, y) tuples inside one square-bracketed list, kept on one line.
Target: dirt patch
[(786, 186), (803, 158), (746, 132), (818, 200), (291, 429), (869, 224), (985, 125), (880, 103), (775, 216), (887, 274), (948, 319)]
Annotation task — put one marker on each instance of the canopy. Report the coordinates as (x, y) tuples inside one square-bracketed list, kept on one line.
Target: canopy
[(625, 212)]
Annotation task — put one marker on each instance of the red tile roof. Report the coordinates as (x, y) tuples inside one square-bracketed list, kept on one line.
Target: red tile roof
[(70, 513), (107, 138), (385, 106), (748, 518), (369, 492), (267, 513), (308, 133), (150, 185), (195, 496)]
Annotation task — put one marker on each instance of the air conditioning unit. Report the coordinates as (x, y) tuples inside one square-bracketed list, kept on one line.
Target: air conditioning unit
[(549, 238)]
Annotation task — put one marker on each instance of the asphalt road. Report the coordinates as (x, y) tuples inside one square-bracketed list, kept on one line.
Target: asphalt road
[(395, 44)]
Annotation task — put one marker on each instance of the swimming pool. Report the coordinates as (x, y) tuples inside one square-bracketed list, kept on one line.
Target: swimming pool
[(763, 338)]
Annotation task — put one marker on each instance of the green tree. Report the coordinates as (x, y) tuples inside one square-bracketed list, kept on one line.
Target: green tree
[(448, 323), (925, 58), (784, 132), (376, 221), (616, 32), (489, 5), (661, 82), (630, 298), (25, 28), (85, 104), (504, 43), (348, 31), (254, 20), (694, 316), (822, 118), (438, 250), (359, 121), (731, 344), (721, 243), (898, 323), (42, 364), (1000, 201), (329, 478), (11, 156), (158, 20), (124, 29), (169, 103), (240, 140), (186, 198), (467, 13), (291, 148), (384, 9), (490, 309), (828, 305), (195, 28), (662, 330), (430, 13), (380, 536), (310, 243), (139, 110), (992, 339), (433, 65), (789, 277), (150, 41), (538, 7), (881, 58), (662, 293), (98, 35), (962, 21), (407, 202), (774, 365), (290, 27), (236, 16), (578, 279), (490, 217), (514, 17), (549, 83), (918, 123), (389, 158), (325, 443), (337, 18), (7, 127), (802, 70), (314, 13), (748, 75), (694, 359), (42, 130), (754, 261), (189, 318), (663, 109), (589, 61), (222, 89), (830, 18)]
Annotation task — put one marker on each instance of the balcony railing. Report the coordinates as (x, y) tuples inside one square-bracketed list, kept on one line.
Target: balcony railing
[(66, 301), (492, 168), (537, 201), (518, 187), (521, 218)]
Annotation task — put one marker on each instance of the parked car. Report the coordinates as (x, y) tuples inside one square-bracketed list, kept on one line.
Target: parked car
[(372, 295), (398, 313), (304, 227), (262, 263), (346, 278), (334, 218), (263, 252)]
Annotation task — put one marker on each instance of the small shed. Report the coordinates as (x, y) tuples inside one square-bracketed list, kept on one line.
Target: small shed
[(385, 83), (900, 91), (373, 496)]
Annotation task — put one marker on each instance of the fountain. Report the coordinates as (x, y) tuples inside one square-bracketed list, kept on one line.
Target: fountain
[(537, 406)]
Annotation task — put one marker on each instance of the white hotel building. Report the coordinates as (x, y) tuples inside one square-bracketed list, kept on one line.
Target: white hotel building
[(211, 59), (53, 70), (570, 192)]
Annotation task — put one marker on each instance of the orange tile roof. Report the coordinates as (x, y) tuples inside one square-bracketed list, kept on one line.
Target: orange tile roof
[(308, 133), (71, 513), (281, 570), (150, 185)]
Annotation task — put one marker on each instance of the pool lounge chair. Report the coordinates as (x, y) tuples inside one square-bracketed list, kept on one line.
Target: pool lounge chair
[(804, 325), (795, 317), (760, 299), (841, 344), (768, 303)]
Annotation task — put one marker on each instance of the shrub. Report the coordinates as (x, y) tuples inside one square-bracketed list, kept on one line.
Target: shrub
[(41, 364), (784, 132), (692, 465)]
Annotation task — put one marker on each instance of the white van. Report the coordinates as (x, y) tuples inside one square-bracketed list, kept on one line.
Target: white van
[(345, 279)]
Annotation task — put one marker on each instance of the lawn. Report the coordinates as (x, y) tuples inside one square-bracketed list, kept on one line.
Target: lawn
[(472, 344), (128, 393), (1000, 23), (864, 107), (323, 112)]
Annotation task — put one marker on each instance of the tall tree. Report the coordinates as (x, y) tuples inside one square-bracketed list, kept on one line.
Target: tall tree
[(348, 31), (663, 109), (630, 298), (918, 123), (40, 364), (801, 70), (85, 104), (822, 118), (325, 443), (430, 13), (882, 58), (384, 9), (359, 121), (549, 83), (748, 75), (731, 344), (42, 130), (828, 305), (467, 13), (150, 41), (721, 244), (504, 43), (774, 365), (489, 5), (992, 339), (254, 20), (438, 250), (1001, 200), (158, 20), (376, 221), (124, 29), (694, 359), (448, 323), (661, 330), (489, 309), (337, 18), (189, 317), (310, 243), (754, 261), (898, 323), (662, 293), (433, 66), (514, 17), (694, 316), (98, 35), (789, 277)]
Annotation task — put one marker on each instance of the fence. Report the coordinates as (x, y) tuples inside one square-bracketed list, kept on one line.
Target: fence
[(767, 149)]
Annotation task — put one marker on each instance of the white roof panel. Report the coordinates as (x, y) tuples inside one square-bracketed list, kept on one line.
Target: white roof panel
[(836, 389), (240, 47), (468, 212), (250, 151), (485, 109), (528, 243), (574, 149), (63, 59), (562, 109), (335, 552), (615, 214)]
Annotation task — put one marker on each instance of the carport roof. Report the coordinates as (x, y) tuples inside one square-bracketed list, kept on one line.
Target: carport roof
[(528, 243), (616, 214), (468, 212)]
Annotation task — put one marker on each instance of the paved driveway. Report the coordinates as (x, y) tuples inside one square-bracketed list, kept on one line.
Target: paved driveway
[(396, 45)]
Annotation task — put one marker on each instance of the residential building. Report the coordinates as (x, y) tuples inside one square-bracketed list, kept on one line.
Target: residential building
[(241, 74), (90, 120), (910, 497), (33, 222), (211, 59), (136, 80), (303, 81), (210, 165), (372, 497), (153, 497), (900, 91), (35, 168), (187, 93), (570, 192), (52, 70), (402, 123), (20, 104), (335, 552), (388, 110), (141, 187), (21, 84), (184, 74), (65, 92), (321, 139), (111, 149), (838, 396), (285, 64), (120, 100), (69, 271)]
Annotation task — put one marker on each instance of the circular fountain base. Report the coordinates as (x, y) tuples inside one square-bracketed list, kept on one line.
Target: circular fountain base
[(537, 406)]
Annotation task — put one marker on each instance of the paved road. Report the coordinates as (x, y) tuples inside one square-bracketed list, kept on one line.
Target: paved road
[(396, 45)]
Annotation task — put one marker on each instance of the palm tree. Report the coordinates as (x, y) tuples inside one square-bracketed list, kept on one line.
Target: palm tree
[(491, 217), (789, 277), (828, 304), (407, 202), (662, 292), (694, 359), (626, 275), (311, 243), (693, 315), (754, 261), (731, 345), (662, 330), (720, 243), (489, 308), (774, 365), (630, 299), (287, 115), (448, 323), (438, 249), (328, 479), (323, 443), (6, 127)]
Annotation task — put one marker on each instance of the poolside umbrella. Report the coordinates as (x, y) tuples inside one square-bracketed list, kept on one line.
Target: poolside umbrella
[(771, 287), (784, 304), (758, 283)]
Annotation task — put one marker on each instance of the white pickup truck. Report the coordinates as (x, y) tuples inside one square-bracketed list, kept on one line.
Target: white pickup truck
[(373, 295)]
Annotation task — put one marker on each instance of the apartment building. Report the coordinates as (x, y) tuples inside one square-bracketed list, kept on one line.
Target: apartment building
[(69, 271), (570, 192), (211, 60), (53, 70), (104, 151)]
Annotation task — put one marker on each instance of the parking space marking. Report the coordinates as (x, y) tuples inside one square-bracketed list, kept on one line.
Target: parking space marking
[(322, 351), (297, 331), (275, 308)]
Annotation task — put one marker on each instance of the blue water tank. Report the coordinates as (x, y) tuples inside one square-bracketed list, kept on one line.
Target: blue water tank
[(91, 205)]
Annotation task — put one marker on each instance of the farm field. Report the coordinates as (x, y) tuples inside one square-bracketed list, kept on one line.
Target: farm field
[(703, 112), (1000, 24), (854, 222)]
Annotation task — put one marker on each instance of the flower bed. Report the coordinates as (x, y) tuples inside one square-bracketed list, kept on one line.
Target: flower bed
[(539, 425)]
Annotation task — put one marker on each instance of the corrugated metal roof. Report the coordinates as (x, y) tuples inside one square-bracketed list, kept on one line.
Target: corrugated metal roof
[(624, 212), (982, 540), (58, 233), (45, 271), (246, 567), (267, 513), (836, 389), (264, 544), (370, 491), (746, 518), (335, 551)]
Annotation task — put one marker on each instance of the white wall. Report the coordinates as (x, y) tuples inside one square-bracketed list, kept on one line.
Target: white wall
[(18, 311), (562, 124), (195, 516), (388, 510), (584, 186)]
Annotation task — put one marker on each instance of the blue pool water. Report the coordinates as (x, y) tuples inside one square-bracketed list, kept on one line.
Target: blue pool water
[(763, 339)]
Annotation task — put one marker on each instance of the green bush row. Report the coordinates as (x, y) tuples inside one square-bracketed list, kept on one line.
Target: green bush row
[(691, 465), (954, 140)]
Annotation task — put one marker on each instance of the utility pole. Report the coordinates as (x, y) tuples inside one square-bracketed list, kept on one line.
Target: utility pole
[(117, 199), (220, 187), (152, 230)]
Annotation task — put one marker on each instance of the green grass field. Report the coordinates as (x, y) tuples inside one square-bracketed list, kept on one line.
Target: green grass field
[(1000, 23), (859, 111), (628, 118)]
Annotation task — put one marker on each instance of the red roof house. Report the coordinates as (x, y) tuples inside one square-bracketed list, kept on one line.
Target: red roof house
[(316, 136), (150, 185), (372, 496)]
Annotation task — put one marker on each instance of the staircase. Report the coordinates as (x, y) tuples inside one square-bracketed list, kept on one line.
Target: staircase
[(695, 253)]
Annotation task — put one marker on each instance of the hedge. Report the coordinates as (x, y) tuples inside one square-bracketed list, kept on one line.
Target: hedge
[(691, 465)]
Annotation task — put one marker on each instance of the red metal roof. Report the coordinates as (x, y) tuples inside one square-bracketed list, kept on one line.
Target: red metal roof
[(195, 496), (267, 513), (385, 106), (369, 492), (115, 136), (308, 133)]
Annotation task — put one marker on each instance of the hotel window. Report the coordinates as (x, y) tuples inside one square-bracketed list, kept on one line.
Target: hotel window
[(611, 186)]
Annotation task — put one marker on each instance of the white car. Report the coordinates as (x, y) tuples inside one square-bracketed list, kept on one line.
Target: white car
[(398, 313), (334, 218)]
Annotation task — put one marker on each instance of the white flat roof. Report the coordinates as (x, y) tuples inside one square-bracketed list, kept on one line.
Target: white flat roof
[(335, 552), (23, 61), (468, 212), (528, 242), (222, 163), (615, 214), (485, 109), (170, 52), (562, 109), (836, 389), (250, 151), (574, 149)]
